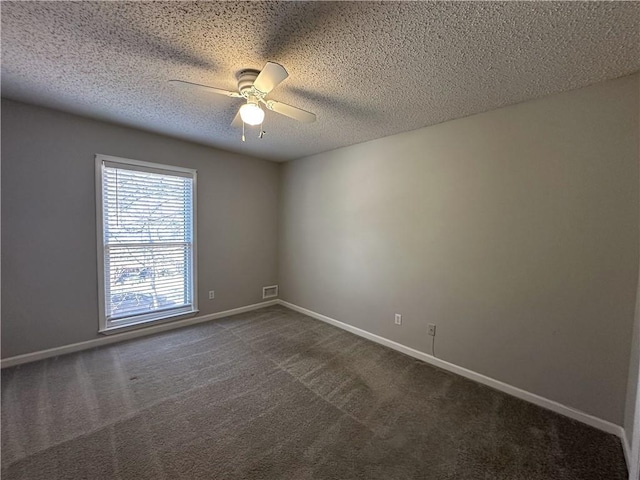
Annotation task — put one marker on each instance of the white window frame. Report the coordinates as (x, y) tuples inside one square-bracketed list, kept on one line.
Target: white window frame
[(153, 317)]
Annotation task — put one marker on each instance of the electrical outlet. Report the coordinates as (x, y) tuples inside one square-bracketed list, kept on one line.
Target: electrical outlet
[(432, 330), (398, 319), (212, 294)]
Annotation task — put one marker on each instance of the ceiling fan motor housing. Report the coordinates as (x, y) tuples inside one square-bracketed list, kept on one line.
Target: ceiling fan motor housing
[(245, 80)]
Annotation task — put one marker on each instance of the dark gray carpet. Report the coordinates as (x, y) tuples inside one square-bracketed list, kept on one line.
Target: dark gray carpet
[(273, 394)]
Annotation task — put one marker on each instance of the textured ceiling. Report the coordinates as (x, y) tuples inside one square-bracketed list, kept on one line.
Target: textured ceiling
[(367, 69)]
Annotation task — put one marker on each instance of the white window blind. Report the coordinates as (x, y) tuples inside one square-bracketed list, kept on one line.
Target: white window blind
[(148, 251)]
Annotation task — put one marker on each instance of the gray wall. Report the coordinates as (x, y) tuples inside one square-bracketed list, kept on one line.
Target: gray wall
[(49, 293), (515, 231)]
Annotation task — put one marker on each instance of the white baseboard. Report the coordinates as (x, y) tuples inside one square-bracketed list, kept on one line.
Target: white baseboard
[(626, 448), (127, 335), (552, 405)]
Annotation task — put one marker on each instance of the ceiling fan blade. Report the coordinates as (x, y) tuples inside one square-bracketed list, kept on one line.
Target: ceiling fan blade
[(237, 120), (291, 112), (189, 85), (270, 76)]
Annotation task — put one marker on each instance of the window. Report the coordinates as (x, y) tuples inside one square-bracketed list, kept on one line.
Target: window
[(146, 241)]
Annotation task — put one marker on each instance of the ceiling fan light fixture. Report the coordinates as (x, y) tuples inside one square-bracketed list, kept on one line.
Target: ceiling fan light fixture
[(251, 113)]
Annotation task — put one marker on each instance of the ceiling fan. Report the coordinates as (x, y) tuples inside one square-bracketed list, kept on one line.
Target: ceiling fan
[(254, 86)]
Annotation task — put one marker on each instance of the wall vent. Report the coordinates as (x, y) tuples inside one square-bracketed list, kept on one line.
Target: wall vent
[(270, 292)]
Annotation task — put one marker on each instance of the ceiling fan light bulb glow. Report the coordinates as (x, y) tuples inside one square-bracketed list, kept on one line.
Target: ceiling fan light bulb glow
[(251, 114)]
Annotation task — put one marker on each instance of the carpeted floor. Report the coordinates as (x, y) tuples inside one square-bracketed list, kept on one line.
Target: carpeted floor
[(273, 394)]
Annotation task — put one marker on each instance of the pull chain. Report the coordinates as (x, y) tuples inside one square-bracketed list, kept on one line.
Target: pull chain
[(243, 139)]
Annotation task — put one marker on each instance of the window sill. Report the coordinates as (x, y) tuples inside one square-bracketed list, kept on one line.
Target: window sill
[(146, 323)]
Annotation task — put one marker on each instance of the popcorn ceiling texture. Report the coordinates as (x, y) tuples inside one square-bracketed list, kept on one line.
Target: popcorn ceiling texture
[(367, 69)]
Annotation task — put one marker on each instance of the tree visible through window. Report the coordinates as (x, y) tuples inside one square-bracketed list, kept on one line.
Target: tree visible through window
[(147, 220)]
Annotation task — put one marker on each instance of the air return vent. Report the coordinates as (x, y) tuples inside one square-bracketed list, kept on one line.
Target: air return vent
[(270, 292)]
